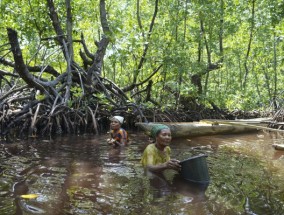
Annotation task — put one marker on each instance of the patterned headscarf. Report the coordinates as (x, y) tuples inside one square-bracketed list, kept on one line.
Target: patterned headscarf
[(156, 129)]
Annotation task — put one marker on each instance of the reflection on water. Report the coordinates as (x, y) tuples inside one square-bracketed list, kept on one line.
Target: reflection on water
[(84, 175)]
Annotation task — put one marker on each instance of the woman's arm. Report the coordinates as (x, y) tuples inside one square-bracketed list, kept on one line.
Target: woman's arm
[(119, 138), (114, 142), (123, 141), (171, 164)]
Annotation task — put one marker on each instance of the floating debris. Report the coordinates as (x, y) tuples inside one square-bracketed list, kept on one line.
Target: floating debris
[(29, 196)]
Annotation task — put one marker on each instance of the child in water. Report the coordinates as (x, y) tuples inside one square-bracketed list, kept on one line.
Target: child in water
[(156, 156), (119, 136)]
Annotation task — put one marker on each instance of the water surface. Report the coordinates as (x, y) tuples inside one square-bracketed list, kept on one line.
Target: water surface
[(84, 175)]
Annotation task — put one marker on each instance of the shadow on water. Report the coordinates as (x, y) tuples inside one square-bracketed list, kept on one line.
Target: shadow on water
[(84, 175), (192, 192)]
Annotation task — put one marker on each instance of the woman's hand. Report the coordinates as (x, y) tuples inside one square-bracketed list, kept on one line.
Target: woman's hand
[(173, 164), (111, 141)]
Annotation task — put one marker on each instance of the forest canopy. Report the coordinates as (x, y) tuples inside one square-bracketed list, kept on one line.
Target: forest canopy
[(65, 63)]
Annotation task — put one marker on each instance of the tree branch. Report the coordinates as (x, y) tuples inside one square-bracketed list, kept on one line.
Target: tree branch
[(103, 17), (3, 73), (249, 44), (55, 22), (133, 85), (96, 67), (48, 69), (138, 17), (12, 92), (146, 46), (86, 50), (69, 27), (20, 66)]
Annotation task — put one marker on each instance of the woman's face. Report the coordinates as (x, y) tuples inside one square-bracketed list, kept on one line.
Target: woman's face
[(114, 124), (164, 137)]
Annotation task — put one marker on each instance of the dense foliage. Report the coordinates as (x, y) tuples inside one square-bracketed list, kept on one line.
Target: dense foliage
[(167, 54)]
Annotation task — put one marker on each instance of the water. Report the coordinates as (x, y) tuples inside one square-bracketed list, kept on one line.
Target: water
[(84, 175)]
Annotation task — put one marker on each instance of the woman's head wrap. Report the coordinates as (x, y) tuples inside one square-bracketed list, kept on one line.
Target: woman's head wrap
[(120, 119), (156, 129)]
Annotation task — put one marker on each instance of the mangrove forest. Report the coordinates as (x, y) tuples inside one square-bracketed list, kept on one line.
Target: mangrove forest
[(67, 66)]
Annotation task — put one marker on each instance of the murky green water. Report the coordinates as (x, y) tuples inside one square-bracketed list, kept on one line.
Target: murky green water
[(83, 175)]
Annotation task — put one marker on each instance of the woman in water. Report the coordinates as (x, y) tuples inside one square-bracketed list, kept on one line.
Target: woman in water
[(156, 156), (119, 136)]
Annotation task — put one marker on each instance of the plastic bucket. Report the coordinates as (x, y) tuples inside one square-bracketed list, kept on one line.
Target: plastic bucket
[(195, 169)]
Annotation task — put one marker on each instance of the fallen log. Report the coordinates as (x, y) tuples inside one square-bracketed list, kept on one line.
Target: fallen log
[(190, 129)]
